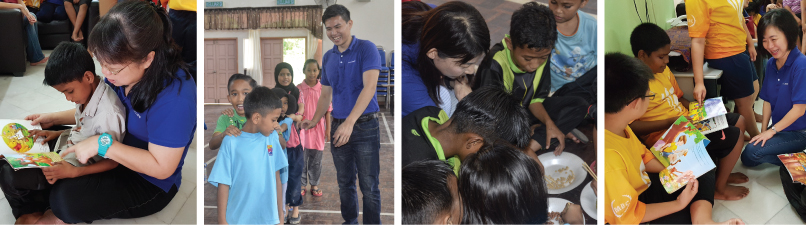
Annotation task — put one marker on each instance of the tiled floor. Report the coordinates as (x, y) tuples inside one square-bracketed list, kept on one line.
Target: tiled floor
[(766, 203), (22, 96), (315, 210)]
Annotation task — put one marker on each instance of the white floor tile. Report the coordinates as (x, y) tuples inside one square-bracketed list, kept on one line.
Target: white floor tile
[(152, 219), (10, 111), (787, 215), (759, 206), (115, 221), (772, 181), (30, 101), (172, 209), (187, 215), (190, 167), (5, 213), (721, 213)]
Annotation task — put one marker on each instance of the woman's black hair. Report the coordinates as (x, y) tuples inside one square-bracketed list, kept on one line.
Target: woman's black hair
[(128, 33), (456, 29), (291, 87), (242, 77), (305, 67), (784, 21), (500, 184), (426, 194)]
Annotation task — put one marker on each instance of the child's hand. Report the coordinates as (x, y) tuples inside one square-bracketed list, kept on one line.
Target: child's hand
[(229, 112), (573, 214), (47, 134), (60, 170), (43, 120), (688, 193), (84, 150), (232, 131), (307, 124)]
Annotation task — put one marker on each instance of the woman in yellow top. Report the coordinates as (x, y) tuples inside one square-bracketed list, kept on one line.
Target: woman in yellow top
[(719, 36)]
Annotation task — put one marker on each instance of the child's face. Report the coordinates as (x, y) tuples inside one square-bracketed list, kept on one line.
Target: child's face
[(267, 124), (237, 93), (775, 42), (311, 71), (565, 10), (656, 60), (78, 91), (284, 78), (285, 105), (528, 59), (453, 67)]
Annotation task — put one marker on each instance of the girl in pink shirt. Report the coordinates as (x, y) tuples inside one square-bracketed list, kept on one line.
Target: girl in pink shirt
[(313, 140)]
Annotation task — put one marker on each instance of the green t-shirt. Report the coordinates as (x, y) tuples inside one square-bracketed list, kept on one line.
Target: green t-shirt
[(225, 121)]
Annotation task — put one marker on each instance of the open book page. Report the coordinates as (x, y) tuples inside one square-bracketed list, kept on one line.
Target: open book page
[(712, 125), (17, 139), (682, 151), (710, 108), (795, 164), (32, 160)]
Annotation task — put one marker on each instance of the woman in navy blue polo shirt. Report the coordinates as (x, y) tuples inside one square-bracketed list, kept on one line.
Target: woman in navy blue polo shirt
[(783, 92), (143, 64), (440, 47)]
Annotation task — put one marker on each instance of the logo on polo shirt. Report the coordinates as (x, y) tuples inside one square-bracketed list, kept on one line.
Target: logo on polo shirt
[(620, 205), (351, 61), (270, 150), (414, 132)]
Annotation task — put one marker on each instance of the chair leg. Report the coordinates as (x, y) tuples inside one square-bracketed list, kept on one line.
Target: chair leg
[(17, 74)]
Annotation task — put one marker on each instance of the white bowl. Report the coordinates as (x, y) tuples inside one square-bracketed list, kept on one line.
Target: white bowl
[(552, 163)]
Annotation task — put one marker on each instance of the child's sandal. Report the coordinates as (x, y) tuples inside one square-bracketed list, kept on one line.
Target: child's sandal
[(316, 192), (303, 192)]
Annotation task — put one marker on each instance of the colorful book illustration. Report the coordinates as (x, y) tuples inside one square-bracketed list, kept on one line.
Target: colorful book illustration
[(16, 138), (710, 116), (682, 151), (795, 164), (32, 160)]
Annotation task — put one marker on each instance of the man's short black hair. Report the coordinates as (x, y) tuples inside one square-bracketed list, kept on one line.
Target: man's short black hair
[(67, 63), (425, 191), (785, 22), (648, 37), (261, 100), (336, 10), (626, 79), (492, 113), (533, 25), (243, 77)]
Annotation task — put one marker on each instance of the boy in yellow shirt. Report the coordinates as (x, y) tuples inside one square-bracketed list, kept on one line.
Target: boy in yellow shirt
[(630, 197), (651, 45)]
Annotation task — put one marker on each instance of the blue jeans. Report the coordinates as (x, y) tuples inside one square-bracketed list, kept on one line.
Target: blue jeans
[(359, 156), (780, 143), (49, 12), (295, 163), (33, 52)]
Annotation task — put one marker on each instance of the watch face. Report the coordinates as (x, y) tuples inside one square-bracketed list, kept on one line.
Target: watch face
[(105, 140)]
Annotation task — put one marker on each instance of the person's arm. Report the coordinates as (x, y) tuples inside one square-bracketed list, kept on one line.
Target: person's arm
[(321, 107), (686, 103), (751, 49), (552, 131), (654, 166), (766, 114), (223, 196), (327, 130), (6, 5), (281, 139), (698, 59), (215, 141), (343, 132), (647, 127), (46, 120), (789, 8), (794, 114), (279, 195), (64, 170)]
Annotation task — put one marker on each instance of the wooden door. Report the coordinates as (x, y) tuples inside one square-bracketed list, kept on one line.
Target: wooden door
[(271, 54), (220, 62)]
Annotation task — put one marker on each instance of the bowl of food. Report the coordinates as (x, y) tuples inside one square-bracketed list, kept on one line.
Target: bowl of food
[(562, 173)]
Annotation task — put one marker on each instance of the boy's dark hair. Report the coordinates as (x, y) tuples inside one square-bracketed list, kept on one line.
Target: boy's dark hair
[(492, 113), (67, 63), (261, 100), (626, 79), (425, 191), (785, 22), (500, 184), (292, 102), (533, 25), (336, 10), (680, 9), (242, 77), (309, 61), (648, 37), (456, 29)]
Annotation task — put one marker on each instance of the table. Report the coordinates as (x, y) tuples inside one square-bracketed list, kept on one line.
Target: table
[(685, 80)]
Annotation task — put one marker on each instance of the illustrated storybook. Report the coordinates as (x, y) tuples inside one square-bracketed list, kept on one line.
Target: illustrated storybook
[(31, 160), (709, 116), (795, 164), (682, 151), (17, 138)]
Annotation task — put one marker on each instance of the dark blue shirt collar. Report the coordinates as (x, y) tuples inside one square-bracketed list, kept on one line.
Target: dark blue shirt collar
[(352, 43), (794, 54)]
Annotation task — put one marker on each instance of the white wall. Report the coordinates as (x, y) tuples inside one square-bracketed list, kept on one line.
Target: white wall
[(373, 21), (244, 34)]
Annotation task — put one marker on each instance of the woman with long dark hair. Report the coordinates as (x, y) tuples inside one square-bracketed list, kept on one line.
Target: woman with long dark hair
[(441, 49), (144, 66)]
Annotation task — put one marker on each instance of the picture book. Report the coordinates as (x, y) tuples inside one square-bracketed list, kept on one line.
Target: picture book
[(17, 138), (682, 151), (709, 116), (795, 164), (32, 160)]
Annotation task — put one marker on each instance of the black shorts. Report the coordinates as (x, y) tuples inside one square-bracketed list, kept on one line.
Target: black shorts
[(719, 148), (80, 2), (657, 194), (738, 74)]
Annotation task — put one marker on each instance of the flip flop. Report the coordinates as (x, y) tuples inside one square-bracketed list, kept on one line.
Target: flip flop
[(303, 192), (314, 192)]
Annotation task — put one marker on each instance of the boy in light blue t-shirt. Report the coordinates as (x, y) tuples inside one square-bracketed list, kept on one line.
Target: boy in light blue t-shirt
[(574, 53), (247, 169)]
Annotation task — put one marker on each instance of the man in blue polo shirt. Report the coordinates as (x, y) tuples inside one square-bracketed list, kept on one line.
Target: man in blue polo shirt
[(349, 76)]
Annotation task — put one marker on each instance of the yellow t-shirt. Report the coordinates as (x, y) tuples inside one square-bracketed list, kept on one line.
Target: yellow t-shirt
[(720, 22), (186, 5), (625, 178), (666, 103)]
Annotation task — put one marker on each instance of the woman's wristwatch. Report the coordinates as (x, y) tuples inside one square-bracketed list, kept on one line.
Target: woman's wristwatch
[(103, 144)]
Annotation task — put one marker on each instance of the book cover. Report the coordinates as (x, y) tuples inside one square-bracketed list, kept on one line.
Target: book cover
[(17, 137), (795, 164), (709, 108), (682, 151), (712, 125), (32, 160)]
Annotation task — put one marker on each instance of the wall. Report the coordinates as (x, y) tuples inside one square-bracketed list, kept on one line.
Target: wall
[(621, 19), (244, 34), (373, 21)]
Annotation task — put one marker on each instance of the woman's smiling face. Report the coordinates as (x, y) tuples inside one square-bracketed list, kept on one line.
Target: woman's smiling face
[(126, 74)]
